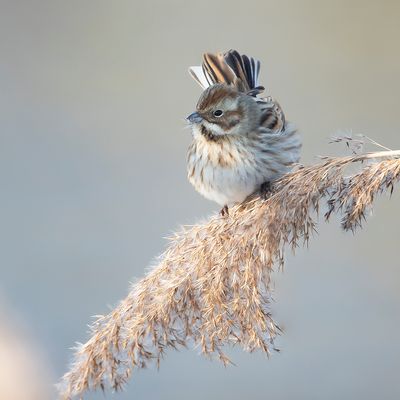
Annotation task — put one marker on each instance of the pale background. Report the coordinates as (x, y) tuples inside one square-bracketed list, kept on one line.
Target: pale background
[(93, 96)]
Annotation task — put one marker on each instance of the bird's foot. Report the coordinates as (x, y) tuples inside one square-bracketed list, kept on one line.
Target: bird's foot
[(224, 211), (265, 190)]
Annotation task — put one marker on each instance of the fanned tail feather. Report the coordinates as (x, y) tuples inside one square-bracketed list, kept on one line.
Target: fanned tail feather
[(230, 68), (218, 69), (198, 74)]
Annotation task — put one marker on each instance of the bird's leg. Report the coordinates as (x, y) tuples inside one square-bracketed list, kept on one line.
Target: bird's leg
[(224, 211), (265, 189)]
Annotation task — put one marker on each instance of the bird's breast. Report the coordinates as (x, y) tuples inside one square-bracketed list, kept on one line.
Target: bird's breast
[(224, 171)]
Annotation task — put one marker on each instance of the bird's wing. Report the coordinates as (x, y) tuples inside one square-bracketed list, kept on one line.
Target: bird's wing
[(230, 68), (273, 118)]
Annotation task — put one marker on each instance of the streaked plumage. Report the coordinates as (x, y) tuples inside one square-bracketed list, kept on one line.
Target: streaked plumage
[(240, 140)]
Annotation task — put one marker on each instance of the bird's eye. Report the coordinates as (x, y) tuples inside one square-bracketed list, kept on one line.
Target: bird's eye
[(218, 113)]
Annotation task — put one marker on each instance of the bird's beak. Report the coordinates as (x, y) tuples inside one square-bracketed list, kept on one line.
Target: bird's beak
[(194, 118)]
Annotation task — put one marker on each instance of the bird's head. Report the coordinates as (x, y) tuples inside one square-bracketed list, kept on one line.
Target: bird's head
[(223, 110)]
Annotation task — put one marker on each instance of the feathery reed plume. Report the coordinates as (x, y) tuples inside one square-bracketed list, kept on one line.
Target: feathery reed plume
[(211, 286)]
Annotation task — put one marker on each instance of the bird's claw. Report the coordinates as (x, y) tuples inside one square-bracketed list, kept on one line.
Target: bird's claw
[(265, 190), (224, 211)]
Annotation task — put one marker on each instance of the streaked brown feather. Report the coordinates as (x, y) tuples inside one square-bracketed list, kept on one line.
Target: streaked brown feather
[(245, 68), (232, 69), (272, 117), (218, 69), (213, 95), (235, 62)]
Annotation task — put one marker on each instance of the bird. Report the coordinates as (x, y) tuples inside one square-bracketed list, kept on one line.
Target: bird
[(241, 141)]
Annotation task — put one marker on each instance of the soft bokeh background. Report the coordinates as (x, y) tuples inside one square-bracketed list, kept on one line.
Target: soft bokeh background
[(93, 96), (23, 370)]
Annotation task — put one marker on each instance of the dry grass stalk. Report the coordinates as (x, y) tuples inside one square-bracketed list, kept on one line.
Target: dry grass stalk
[(211, 286)]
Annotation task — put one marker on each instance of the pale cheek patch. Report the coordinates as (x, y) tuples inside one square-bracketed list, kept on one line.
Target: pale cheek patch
[(214, 128)]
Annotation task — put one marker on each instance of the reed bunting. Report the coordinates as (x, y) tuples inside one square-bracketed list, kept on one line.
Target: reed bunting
[(241, 141)]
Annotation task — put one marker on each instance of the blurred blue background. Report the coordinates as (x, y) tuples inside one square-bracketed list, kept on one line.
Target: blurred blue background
[(93, 97)]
